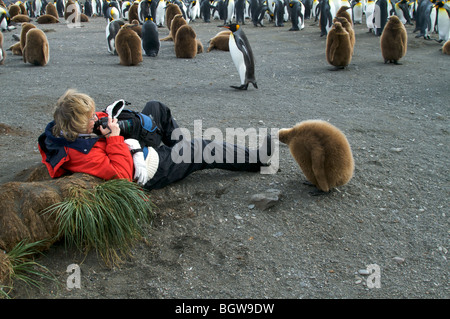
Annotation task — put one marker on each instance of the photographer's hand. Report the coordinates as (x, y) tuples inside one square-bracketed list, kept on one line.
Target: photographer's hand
[(113, 128), (140, 166)]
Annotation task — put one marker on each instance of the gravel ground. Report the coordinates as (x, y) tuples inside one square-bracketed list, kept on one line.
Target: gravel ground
[(208, 241)]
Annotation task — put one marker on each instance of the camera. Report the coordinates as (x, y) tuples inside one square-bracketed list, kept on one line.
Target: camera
[(126, 126)]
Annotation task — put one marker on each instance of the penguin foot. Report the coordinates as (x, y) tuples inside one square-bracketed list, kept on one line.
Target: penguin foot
[(338, 68), (396, 62), (316, 192), (242, 87)]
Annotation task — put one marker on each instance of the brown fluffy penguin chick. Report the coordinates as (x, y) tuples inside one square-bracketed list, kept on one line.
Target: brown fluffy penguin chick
[(446, 47), (322, 152), (338, 48), (171, 11), (133, 12), (21, 18), (16, 49), (136, 27), (14, 10), (23, 33), (2, 52), (342, 12), (199, 46), (128, 46), (36, 50), (220, 41), (51, 10), (185, 42), (393, 40), (176, 23), (349, 28), (47, 19)]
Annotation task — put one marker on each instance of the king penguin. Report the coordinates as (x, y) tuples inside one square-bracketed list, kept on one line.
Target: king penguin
[(112, 28), (443, 21), (242, 56), (150, 38), (2, 52)]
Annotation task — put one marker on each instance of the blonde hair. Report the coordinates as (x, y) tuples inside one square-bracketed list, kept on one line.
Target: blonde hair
[(72, 114)]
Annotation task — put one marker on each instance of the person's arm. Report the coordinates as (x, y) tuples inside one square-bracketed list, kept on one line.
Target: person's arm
[(109, 158)]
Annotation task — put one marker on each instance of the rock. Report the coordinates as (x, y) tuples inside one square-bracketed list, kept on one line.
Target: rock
[(363, 272), (399, 260), (267, 199)]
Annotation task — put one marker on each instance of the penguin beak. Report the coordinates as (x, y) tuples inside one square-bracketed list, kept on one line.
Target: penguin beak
[(224, 26)]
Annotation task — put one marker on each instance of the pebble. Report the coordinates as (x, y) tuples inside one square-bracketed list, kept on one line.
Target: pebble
[(363, 272), (396, 149), (278, 234), (267, 199), (399, 260)]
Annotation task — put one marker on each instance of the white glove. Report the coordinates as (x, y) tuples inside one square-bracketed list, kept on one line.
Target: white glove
[(140, 166), (113, 110)]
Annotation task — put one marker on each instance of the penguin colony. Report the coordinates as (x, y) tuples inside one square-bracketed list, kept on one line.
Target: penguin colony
[(132, 30)]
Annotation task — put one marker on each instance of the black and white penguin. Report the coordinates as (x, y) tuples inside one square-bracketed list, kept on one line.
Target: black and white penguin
[(160, 13), (150, 38), (4, 19), (297, 13), (60, 8), (239, 7), (125, 7), (443, 21), (357, 8), (88, 8), (258, 11), (112, 11), (230, 11), (278, 13), (401, 9), (326, 17), (205, 10), (242, 56), (369, 12), (144, 12), (381, 15), (2, 52), (308, 8), (112, 29)]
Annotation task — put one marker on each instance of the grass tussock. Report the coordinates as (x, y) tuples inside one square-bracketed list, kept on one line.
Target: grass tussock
[(109, 218), (19, 264)]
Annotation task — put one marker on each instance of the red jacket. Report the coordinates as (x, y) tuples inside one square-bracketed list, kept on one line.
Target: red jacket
[(105, 158)]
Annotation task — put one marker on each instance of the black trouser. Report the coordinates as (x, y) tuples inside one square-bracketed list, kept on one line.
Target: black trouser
[(175, 164)]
